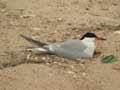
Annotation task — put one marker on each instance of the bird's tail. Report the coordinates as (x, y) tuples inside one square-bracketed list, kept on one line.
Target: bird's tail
[(36, 42)]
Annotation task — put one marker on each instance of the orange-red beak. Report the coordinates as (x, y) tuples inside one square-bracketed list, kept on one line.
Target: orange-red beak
[(100, 38)]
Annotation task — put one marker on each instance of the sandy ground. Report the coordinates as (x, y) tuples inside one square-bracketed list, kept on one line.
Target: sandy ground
[(55, 21)]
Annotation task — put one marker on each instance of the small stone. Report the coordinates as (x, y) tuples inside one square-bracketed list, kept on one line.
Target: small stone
[(59, 19), (43, 58), (27, 16), (74, 28), (75, 76), (70, 72), (84, 74), (87, 8), (50, 74), (70, 24), (3, 10), (36, 58), (36, 28), (28, 56), (117, 32), (67, 33), (55, 62), (72, 67), (47, 63)]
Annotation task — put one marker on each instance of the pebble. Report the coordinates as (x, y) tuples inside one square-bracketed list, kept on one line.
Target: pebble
[(36, 28), (28, 56), (27, 16), (43, 58), (84, 74), (70, 72), (117, 32), (59, 19), (72, 67), (3, 10), (75, 76), (67, 33), (36, 58)]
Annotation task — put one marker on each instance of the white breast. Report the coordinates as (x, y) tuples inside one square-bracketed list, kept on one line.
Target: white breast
[(90, 43)]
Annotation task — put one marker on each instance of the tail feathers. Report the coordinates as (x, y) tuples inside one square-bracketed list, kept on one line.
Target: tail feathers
[(38, 43), (38, 50)]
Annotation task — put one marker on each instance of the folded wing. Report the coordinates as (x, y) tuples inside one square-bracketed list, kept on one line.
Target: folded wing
[(72, 49)]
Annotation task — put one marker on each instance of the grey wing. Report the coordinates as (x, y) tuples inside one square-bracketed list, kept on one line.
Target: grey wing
[(70, 49), (73, 45)]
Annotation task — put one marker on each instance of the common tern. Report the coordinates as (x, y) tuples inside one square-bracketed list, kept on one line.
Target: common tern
[(71, 49)]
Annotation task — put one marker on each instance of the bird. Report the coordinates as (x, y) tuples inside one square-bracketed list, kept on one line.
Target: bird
[(70, 49)]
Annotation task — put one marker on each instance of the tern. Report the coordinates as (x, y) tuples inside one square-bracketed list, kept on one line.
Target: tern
[(70, 49)]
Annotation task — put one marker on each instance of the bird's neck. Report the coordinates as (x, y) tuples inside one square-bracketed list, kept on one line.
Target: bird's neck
[(90, 43), (89, 40)]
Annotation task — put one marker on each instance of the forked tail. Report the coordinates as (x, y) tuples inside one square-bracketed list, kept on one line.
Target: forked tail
[(36, 42)]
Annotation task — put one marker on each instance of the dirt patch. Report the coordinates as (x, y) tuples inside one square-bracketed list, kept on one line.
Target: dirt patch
[(57, 21)]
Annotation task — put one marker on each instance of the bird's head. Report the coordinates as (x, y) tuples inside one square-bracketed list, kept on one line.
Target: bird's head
[(90, 35)]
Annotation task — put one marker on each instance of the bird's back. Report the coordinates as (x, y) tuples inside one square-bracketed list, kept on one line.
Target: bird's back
[(72, 49)]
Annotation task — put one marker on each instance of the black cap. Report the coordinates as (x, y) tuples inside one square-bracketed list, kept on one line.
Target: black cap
[(89, 35)]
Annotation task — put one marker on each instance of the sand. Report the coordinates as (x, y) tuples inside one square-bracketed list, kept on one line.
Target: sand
[(56, 21)]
